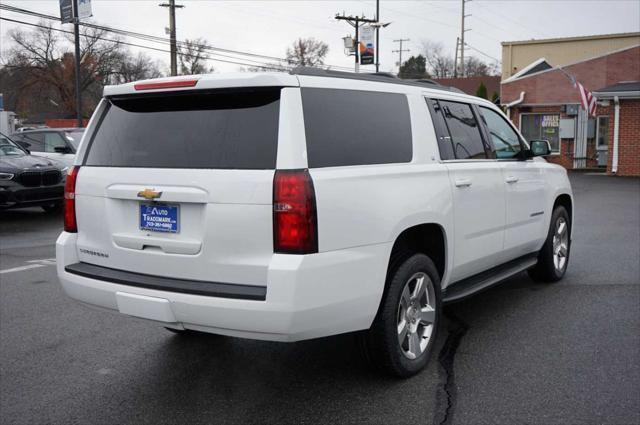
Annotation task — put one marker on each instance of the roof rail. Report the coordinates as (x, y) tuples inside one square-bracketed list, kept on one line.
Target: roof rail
[(381, 77)]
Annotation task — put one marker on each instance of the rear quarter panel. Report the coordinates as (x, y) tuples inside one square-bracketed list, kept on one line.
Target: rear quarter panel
[(373, 204)]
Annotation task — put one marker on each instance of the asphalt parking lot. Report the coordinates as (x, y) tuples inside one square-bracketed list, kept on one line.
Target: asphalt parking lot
[(567, 353)]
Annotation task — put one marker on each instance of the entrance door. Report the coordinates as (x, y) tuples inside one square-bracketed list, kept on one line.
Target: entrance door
[(580, 142), (602, 140)]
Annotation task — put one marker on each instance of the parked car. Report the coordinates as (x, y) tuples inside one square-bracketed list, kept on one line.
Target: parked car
[(28, 180), (59, 144), (285, 207)]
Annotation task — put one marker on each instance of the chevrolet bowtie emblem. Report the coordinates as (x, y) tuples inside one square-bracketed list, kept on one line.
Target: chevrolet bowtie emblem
[(149, 194)]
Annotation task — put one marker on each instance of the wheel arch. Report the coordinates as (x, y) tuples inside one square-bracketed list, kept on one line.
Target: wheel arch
[(426, 238)]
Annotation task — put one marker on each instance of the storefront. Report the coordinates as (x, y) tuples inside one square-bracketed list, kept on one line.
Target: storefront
[(545, 104)]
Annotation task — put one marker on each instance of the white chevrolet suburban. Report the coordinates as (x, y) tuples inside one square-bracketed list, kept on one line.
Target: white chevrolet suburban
[(289, 206)]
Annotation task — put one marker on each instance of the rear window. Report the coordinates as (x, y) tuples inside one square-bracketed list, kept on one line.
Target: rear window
[(219, 129), (349, 127)]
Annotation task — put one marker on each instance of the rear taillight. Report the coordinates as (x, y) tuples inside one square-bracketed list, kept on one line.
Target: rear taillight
[(295, 222), (70, 224)]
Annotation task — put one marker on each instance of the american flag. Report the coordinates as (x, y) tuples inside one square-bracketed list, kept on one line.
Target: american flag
[(588, 100)]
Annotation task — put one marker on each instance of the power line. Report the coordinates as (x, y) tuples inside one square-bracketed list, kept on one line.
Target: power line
[(156, 39), (265, 66), (146, 37), (355, 22), (506, 17), (483, 53)]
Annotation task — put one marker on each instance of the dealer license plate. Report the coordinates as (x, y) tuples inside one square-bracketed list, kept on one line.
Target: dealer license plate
[(160, 217)]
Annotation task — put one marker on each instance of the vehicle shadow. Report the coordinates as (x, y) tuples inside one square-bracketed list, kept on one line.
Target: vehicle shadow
[(204, 378)]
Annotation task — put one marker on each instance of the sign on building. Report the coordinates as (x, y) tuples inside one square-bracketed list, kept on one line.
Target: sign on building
[(367, 50)]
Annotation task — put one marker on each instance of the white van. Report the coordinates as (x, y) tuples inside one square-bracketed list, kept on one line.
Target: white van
[(288, 206)]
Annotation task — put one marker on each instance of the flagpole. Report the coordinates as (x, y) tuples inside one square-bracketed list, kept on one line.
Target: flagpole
[(569, 76)]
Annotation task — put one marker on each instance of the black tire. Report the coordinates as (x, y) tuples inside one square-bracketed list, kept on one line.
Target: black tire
[(381, 342), (545, 270), (52, 208)]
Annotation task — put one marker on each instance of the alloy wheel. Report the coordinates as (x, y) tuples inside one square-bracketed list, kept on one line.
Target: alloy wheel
[(560, 244), (416, 315)]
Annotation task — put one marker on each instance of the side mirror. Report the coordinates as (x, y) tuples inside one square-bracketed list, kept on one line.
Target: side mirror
[(540, 147), (62, 149), (25, 145)]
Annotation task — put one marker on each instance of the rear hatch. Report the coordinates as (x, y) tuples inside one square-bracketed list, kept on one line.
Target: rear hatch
[(179, 184)]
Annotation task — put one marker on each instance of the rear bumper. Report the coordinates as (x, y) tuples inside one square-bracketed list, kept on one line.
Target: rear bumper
[(307, 296)]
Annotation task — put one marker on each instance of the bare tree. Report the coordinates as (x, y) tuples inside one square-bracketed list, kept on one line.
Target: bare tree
[(439, 64), (270, 67), (474, 67), (193, 57), (307, 52), (133, 68), (38, 72)]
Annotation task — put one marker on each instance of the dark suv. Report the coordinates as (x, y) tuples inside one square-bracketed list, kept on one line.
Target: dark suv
[(27, 180)]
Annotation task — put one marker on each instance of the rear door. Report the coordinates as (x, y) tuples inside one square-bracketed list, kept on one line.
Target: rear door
[(180, 185), (477, 188)]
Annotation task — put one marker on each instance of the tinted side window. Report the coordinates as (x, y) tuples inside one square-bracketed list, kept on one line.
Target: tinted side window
[(464, 130), (504, 138), (218, 129), (35, 141), (349, 127), (444, 140), (52, 141)]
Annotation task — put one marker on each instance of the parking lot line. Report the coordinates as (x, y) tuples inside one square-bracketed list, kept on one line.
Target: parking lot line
[(21, 268), (34, 264)]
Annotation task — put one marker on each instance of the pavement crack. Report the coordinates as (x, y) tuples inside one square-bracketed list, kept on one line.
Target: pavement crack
[(457, 328)]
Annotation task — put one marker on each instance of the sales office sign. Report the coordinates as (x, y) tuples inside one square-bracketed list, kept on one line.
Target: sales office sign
[(550, 121)]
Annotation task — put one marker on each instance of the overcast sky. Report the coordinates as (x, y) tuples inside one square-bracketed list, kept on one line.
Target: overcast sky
[(268, 27)]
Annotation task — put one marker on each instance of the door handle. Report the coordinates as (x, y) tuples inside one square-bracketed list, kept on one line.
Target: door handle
[(511, 179), (463, 182)]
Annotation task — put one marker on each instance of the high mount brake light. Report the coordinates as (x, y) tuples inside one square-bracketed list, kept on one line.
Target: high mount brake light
[(70, 224), (168, 84), (295, 220)]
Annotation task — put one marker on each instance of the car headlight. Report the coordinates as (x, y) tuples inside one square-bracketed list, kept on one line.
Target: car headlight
[(6, 176), (65, 170)]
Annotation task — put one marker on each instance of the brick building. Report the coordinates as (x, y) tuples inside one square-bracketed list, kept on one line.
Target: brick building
[(470, 85), (543, 102)]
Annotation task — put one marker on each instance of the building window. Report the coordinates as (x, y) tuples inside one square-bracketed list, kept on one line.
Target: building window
[(541, 127), (602, 139)]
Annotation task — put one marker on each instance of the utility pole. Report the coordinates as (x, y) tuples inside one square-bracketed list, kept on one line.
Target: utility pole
[(76, 35), (355, 22), (172, 31), (462, 31), (399, 51), (378, 36), (455, 59)]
